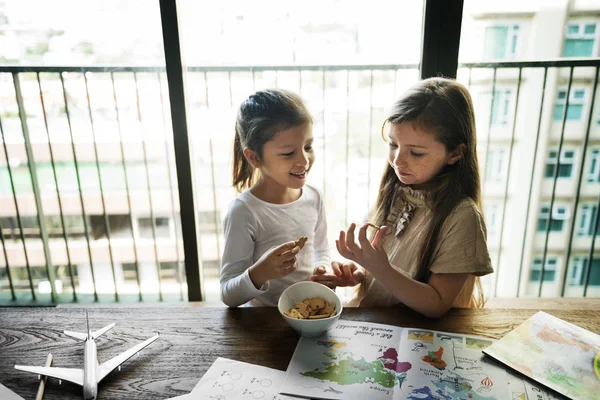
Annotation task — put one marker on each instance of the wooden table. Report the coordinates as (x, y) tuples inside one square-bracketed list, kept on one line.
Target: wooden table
[(193, 337)]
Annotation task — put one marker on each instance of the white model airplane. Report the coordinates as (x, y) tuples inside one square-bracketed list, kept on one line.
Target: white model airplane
[(92, 373)]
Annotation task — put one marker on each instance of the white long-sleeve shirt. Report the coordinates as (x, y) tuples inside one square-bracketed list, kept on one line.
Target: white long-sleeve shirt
[(252, 226)]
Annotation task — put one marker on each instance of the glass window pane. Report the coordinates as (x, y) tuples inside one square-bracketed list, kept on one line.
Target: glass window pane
[(572, 29), (578, 48), (558, 112), (565, 170), (495, 42), (589, 29), (574, 112)]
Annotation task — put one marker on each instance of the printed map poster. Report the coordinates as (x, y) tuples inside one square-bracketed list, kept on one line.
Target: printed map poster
[(353, 360), (359, 360), (555, 353), (449, 366)]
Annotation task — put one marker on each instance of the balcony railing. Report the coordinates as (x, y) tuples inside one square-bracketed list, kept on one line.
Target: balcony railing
[(89, 197)]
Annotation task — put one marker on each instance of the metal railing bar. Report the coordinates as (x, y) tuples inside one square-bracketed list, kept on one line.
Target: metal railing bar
[(577, 192), (78, 177), (347, 143), (510, 153), (127, 191), (535, 153), (173, 201), (555, 178), (370, 141), (19, 221), (590, 262), (212, 171), (148, 186), (58, 198), (101, 187), (10, 281), (35, 186)]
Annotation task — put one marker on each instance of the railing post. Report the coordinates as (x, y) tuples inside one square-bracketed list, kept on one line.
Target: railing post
[(185, 173), (35, 185)]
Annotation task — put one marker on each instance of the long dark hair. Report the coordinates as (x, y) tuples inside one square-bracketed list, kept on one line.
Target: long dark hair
[(444, 108), (259, 118)]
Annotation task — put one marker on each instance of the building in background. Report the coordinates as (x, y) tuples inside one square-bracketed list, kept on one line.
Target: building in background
[(125, 170)]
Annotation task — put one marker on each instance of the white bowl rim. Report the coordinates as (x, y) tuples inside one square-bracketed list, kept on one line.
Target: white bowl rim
[(336, 315)]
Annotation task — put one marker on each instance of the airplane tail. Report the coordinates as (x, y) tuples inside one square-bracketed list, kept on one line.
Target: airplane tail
[(94, 335)]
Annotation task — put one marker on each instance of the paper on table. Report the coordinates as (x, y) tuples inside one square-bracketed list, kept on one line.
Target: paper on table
[(230, 379), (7, 394)]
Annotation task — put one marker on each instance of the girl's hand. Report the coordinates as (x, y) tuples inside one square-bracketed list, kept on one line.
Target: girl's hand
[(368, 254), (275, 263), (346, 274)]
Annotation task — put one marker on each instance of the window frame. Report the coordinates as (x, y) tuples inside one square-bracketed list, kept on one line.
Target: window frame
[(581, 35), (573, 101), (593, 174), (550, 268), (552, 160), (557, 215), (513, 33)]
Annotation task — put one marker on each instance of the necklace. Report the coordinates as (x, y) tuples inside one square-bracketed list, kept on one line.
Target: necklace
[(406, 214)]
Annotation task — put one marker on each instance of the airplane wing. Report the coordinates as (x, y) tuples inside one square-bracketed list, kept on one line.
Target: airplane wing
[(76, 335), (113, 363), (74, 375), (102, 331)]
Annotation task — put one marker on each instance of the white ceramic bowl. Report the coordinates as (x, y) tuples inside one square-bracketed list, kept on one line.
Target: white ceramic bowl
[(300, 291)]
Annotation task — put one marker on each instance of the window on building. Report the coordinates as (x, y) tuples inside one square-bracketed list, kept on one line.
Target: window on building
[(587, 219), (500, 42), (578, 272), (594, 171), (580, 40), (560, 213), (576, 102), (168, 270), (208, 220), (162, 227), (492, 218), (565, 168), (495, 167), (11, 230), (500, 107), (549, 269), (129, 272)]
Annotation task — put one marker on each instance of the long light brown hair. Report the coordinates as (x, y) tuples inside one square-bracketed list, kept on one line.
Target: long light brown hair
[(444, 108), (259, 118)]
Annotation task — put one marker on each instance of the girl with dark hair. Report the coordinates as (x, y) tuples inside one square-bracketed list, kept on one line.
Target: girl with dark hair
[(431, 247), (272, 157)]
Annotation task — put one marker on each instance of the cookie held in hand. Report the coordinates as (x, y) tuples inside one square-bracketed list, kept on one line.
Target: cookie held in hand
[(301, 242)]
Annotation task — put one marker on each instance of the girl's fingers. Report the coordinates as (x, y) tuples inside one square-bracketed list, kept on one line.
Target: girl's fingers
[(346, 274), (291, 268), (378, 239), (350, 233), (362, 237), (287, 263), (341, 245), (335, 266), (344, 251), (284, 250), (289, 254), (320, 270), (358, 275)]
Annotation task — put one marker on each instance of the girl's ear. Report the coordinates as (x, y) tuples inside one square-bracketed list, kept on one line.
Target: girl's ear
[(456, 154), (252, 158)]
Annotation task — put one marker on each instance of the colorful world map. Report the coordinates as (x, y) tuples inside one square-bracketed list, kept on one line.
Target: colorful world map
[(345, 369)]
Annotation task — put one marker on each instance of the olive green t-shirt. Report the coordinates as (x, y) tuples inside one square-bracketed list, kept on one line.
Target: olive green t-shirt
[(461, 248)]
